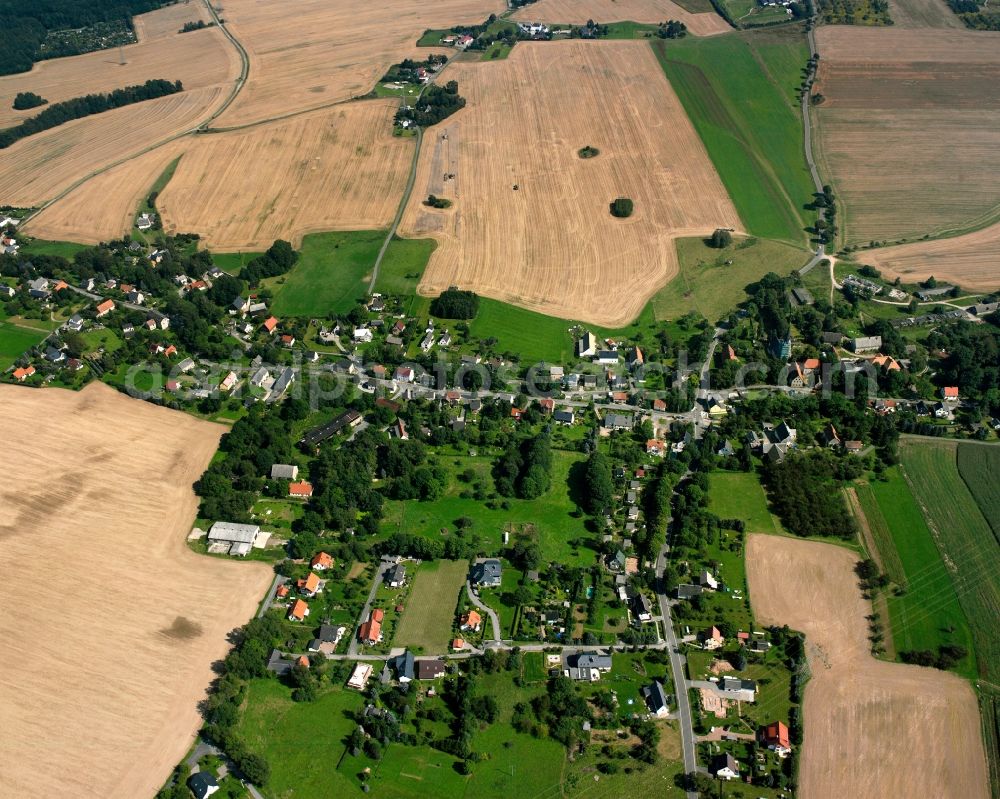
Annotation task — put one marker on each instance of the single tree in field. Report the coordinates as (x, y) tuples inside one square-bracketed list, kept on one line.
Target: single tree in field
[(721, 238)]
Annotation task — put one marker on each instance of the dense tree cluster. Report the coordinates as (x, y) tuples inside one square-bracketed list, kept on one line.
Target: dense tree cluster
[(621, 207), (254, 444), (25, 100), (455, 304), (804, 490), (525, 468), (78, 107), (671, 29), (27, 23), (599, 489), (279, 259), (436, 103)]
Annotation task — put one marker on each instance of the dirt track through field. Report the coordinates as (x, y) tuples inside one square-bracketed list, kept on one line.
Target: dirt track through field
[(551, 244), (873, 729), (577, 12), (111, 624)]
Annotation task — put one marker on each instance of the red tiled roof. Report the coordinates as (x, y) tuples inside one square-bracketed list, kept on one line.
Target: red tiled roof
[(301, 489), (299, 610), (776, 734), (321, 559), (270, 323)]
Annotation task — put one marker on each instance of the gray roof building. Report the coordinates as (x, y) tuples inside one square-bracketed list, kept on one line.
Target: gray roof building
[(487, 573), (284, 471)]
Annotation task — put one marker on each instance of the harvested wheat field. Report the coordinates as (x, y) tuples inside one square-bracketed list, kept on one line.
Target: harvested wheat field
[(167, 21), (923, 14), (104, 207), (324, 52), (909, 133), (39, 167), (340, 169), (197, 59), (969, 261), (577, 12), (864, 717), (552, 245), (109, 644)]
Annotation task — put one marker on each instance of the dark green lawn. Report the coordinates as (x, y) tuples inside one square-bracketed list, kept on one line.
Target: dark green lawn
[(562, 537), (14, 341), (333, 271)]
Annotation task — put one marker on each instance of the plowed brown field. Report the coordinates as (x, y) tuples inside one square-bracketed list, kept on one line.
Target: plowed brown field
[(969, 260), (317, 52), (551, 245), (909, 134), (112, 623), (577, 12), (339, 169), (864, 717)]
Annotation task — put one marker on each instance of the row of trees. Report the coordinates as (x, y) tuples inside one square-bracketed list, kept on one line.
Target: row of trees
[(78, 107)]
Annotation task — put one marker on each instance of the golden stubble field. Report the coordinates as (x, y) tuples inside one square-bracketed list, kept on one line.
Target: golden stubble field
[(197, 59), (873, 729), (577, 12), (339, 169), (909, 135), (104, 207), (319, 52), (111, 624), (551, 245), (40, 167)]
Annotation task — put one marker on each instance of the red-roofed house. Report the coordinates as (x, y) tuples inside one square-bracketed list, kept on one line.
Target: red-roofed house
[(303, 661), (471, 620), (659, 405), (321, 561), (950, 392), (655, 447), (371, 631), (20, 375), (303, 488), (105, 308), (170, 351), (810, 364), (775, 737), (516, 413), (282, 591), (547, 404), (288, 340), (299, 611), (308, 586), (269, 324)]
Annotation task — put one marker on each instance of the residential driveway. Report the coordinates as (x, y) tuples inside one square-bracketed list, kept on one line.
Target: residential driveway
[(494, 619), (383, 564)]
